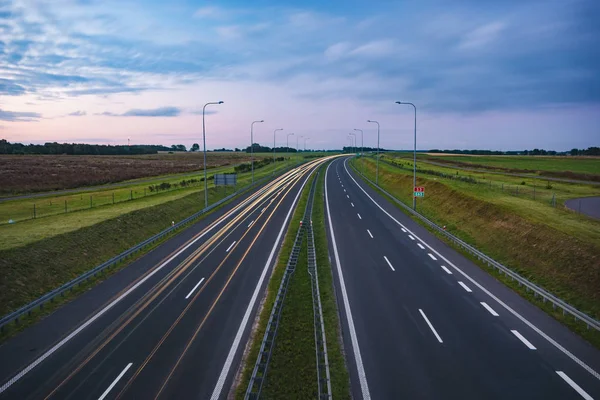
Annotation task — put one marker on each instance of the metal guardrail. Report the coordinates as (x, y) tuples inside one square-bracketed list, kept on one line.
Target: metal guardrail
[(259, 373), (323, 376), (60, 291), (529, 286)]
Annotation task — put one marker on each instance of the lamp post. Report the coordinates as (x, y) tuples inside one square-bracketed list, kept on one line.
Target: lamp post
[(279, 129), (252, 145), (287, 144), (305, 139), (297, 159), (414, 155), (377, 168), (354, 136), (362, 149), (204, 142)]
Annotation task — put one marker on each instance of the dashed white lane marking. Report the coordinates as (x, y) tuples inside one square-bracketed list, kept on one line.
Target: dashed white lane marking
[(389, 263), (194, 288), (431, 326), (403, 230), (263, 210), (352, 204), (431, 256), (344, 190), (468, 289), (522, 339), (250, 224), (411, 238), (359, 217), (112, 385), (370, 234), (446, 269), (347, 196), (575, 386), (421, 246), (230, 246), (490, 309)]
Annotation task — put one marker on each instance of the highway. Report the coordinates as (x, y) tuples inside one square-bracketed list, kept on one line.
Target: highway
[(420, 321), (171, 325)]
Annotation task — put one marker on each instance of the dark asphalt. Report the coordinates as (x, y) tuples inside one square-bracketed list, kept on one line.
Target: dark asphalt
[(589, 206), (479, 357), (177, 346)]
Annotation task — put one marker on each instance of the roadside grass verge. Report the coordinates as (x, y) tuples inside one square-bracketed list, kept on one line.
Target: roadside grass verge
[(32, 230), (257, 336), (535, 247), (340, 380)]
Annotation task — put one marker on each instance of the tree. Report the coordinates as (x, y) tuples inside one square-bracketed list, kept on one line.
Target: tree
[(195, 147)]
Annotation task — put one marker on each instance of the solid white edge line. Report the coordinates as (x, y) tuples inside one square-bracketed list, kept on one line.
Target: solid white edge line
[(421, 246), (114, 302), (250, 224), (238, 337), (522, 339), (431, 326), (230, 246), (468, 289), (389, 263), (446, 269), (432, 256), (411, 237), (362, 377), (194, 288), (370, 234), (490, 309), (359, 217), (575, 386), (112, 385), (490, 294)]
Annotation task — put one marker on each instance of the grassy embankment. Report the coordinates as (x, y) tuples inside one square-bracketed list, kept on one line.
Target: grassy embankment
[(292, 370), (567, 167), (31, 270), (552, 247)]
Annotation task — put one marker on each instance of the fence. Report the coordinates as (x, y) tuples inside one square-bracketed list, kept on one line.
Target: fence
[(503, 270), (50, 296)]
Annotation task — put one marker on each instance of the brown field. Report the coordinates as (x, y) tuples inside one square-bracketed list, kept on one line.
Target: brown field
[(38, 173)]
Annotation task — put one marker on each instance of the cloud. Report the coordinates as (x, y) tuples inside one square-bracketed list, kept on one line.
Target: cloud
[(209, 12), (154, 112), (77, 113), (19, 116), (482, 35)]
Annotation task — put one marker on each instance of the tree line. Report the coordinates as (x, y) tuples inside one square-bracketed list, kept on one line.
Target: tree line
[(590, 151), (83, 149)]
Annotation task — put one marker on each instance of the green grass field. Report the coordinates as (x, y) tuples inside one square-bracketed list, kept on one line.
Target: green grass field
[(586, 165), (31, 230), (556, 248)]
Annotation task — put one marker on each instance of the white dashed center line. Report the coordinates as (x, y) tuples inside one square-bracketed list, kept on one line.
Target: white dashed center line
[(575, 386), (431, 256), (194, 288), (411, 238), (347, 196), (230, 246), (352, 204), (112, 385), (431, 326), (370, 234), (468, 289), (522, 339), (250, 224), (389, 263), (490, 309), (359, 217), (403, 230), (446, 269), (421, 246)]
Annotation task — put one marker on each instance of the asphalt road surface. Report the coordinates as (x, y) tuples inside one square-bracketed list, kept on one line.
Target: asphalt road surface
[(172, 325), (420, 321), (589, 206)]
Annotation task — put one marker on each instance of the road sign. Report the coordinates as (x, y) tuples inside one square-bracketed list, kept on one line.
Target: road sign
[(225, 179), (419, 194), (419, 191)]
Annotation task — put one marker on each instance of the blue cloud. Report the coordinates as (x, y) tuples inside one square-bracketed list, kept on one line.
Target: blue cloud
[(18, 116), (154, 112)]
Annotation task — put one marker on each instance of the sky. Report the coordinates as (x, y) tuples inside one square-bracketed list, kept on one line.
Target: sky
[(501, 75)]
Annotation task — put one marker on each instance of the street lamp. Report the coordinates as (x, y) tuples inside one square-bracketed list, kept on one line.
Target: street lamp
[(377, 169), (362, 149), (204, 142), (279, 129), (354, 136), (305, 139), (297, 159), (252, 145), (287, 144), (414, 155)]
